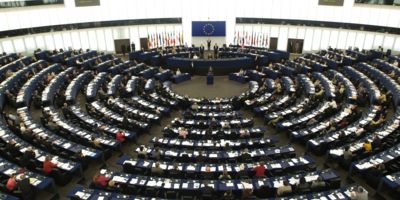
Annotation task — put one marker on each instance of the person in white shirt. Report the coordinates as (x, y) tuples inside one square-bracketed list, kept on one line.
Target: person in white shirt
[(359, 131), (241, 72), (333, 104), (359, 194), (178, 72)]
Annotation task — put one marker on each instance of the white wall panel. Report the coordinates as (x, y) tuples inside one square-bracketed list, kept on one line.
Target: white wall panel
[(342, 40), (84, 40), (378, 41), (308, 39), (134, 36), (19, 45), (101, 40), (283, 38), (333, 39), (76, 42), (325, 37), (30, 44), (109, 40), (359, 42), (301, 32), (351, 39), (67, 40), (369, 41), (49, 42), (58, 41), (388, 43), (316, 40), (396, 46), (40, 44), (292, 32), (92, 39), (8, 46)]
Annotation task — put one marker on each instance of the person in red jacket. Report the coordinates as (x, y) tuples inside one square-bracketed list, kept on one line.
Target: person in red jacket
[(11, 183), (260, 170), (48, 165), (100, 180), (120, 136)]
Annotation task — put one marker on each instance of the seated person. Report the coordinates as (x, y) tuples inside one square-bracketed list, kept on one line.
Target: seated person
[(319, 183), (195, 106), (25, 187), (224, 176), (96, 142), (100, 180), (376, 142), (347, 154), (120, 136), (284, 189), (207, 191), (260, 170), (183, 133), (142, 152), (200, 158), (359, 194), (303, 186), (367, 146), (174, 172), (12, 183), (247, 189), (48, 166), (178, 72), (156, 154), (245, 156), (157, 170), (241, 72)]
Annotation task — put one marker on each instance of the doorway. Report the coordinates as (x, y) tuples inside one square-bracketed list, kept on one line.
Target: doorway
[(295, 46), (273, 43), (144, 43), (122, 46)]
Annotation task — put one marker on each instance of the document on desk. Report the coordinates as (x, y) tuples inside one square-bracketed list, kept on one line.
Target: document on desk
[(278, 183), (311, 178), (120, 179), (151, 183), (276, 166)]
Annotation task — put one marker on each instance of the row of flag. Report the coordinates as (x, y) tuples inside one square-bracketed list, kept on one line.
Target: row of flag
[(251, 39), (164, 39)]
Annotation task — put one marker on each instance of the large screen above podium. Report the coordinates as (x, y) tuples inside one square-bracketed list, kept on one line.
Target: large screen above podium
[(208, 28), (26, 3)]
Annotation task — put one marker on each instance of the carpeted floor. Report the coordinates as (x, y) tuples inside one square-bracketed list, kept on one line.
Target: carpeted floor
[(222, 87)]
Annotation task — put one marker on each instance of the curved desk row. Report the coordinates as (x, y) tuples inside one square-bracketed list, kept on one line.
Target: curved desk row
[(201, 66)]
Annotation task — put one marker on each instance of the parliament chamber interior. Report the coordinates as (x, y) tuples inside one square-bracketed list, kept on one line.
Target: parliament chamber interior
[(212, 99)]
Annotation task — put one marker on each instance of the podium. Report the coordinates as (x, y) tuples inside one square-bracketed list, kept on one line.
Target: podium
[(210, 78)]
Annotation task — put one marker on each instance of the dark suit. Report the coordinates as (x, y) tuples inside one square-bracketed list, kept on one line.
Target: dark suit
[(215, 51), (26, 189), (207, 192), (208, 45), (202, 51), (133, 47)]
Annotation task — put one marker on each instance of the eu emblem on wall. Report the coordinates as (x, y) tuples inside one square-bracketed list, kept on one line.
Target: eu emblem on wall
[(208, 28)]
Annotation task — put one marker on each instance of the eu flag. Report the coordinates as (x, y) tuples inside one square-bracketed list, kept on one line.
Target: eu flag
[(208, 28)]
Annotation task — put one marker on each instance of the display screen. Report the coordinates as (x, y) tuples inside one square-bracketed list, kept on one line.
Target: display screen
[(208, 28), (379, 2), (331, 2), (26, 3), (80, 3)]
